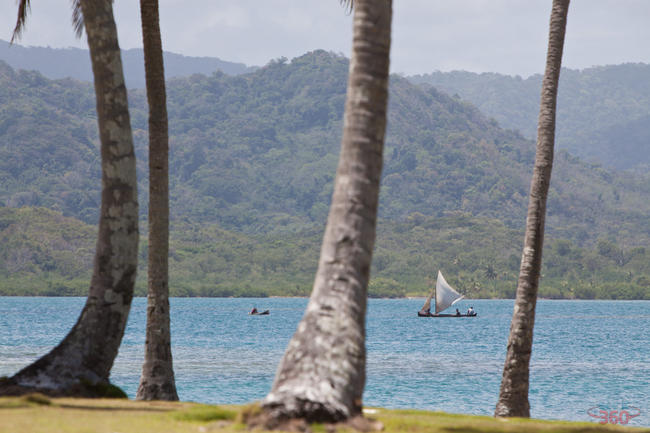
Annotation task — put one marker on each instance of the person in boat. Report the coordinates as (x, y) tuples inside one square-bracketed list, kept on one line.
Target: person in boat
[(470, 311), (457, 312), (254, 310)]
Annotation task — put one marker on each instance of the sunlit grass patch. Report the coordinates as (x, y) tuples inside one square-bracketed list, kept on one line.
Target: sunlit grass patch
[(28, 400), (12, 403), (417, 421), (205, 413), (37, 398)]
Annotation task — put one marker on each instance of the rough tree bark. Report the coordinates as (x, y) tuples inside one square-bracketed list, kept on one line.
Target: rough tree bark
[(81, 363), (322, 375), (157, 380), (513, 396)]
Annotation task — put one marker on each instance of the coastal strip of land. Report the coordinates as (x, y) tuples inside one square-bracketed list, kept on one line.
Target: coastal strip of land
[(39, 414)]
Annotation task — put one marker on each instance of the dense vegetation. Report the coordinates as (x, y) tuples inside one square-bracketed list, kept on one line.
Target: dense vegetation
[(251, 171), (45, 253), (602, 112)]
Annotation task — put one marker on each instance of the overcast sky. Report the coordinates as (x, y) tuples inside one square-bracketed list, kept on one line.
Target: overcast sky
[(507, 36)]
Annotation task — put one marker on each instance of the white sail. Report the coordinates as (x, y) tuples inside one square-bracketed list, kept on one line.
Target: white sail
[(445, 295)]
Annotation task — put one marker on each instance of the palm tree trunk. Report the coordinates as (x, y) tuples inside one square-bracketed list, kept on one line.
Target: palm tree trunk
[(81, 363), (157, 380), (322, 374), (513, 396)]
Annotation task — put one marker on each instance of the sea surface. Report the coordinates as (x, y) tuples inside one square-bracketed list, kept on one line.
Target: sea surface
[(587, 355)]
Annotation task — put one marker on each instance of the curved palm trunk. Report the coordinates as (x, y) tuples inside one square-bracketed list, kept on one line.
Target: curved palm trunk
[(157, 380), (84, 358), (513, 396), (322, 374)]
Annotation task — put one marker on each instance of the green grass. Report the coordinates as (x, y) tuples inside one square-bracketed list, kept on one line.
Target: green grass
[(438, 422), (38, 414), (205, 413)]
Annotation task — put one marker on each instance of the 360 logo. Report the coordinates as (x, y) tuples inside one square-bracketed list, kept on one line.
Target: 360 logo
[(622, 416)]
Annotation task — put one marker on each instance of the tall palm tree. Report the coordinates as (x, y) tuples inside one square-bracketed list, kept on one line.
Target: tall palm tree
[(513, 396), (81, 363), (322, 374), (157, 380)]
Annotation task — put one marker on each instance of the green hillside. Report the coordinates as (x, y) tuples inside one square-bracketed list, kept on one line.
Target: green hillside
[(602, 111), (251, 172), (256, 153), (44, 253)]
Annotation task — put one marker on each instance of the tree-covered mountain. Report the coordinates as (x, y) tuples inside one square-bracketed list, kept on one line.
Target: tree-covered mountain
[(258, 152), (602, 111), (74, 63), (251, 170)]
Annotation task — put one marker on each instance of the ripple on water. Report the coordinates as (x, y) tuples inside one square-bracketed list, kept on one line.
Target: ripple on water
[(586, 353)]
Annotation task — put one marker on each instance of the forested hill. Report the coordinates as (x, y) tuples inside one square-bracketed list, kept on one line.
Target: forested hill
[(74, 63), (258, 152), (252, 163), (603, 112)]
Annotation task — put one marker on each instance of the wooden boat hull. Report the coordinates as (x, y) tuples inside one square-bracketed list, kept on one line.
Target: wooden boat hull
[(444, 315), (261, 313)]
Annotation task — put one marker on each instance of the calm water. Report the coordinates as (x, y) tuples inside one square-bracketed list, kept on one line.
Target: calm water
[(586, 353)]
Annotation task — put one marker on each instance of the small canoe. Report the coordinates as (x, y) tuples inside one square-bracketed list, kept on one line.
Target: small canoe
[(260, 313)]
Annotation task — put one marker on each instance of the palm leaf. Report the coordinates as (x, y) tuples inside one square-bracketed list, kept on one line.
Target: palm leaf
[(23, 10), (348, 4), (77, 18)]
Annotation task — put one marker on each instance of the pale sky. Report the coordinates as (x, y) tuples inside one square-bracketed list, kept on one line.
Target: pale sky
[(506, 36)]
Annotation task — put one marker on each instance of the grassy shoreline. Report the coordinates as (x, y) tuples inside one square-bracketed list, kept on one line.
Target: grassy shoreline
[(39, 414)]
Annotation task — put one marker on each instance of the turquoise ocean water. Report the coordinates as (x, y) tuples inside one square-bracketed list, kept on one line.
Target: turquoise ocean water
[(586, 354)]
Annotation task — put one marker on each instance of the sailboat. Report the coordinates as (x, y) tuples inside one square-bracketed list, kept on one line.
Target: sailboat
[(446, 296)]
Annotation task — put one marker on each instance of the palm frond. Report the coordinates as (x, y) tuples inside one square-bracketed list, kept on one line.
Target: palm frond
[(348, 5), (77, 18), (23, 10)]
